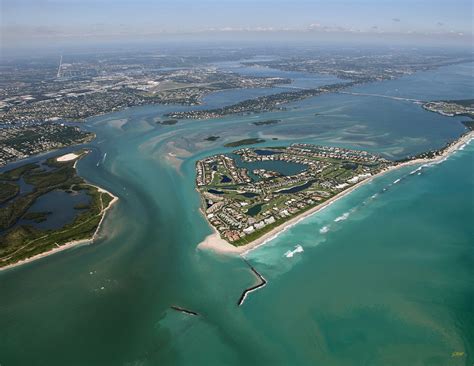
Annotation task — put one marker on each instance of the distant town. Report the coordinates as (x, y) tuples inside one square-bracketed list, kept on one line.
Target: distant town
[(261, 104), (74, 99), (451, 108), (367, 67), (41, 96)]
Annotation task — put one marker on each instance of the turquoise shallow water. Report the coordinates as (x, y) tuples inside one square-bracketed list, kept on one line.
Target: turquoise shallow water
[(385, 277)]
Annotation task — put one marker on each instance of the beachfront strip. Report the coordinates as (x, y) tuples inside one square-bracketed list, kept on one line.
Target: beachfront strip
[(248, 193)]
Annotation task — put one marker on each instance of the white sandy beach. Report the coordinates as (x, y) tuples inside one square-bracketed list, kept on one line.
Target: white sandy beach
[(67, 157), (215, 243)]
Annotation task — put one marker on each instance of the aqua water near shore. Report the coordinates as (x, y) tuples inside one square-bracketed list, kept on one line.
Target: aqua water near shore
[(216, 243)]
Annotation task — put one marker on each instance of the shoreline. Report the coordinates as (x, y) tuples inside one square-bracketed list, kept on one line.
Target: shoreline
[(215, 243), (73, 243)]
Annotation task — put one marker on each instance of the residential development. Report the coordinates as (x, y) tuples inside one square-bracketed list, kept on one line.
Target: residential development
[(247, 193)]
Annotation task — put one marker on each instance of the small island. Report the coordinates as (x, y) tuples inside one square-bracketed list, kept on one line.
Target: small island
[(212, 138), (46, 207), (243, 142), (168, 122), (267, 122)]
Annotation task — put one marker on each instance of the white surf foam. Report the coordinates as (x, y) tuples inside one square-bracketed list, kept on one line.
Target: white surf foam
[(416, 170), (324, 229), (343, 217), (291, 253)]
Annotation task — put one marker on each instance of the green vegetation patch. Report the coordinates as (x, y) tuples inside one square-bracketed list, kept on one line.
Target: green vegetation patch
[(18, 242), (37, 216), (8, 191), (211, 138), (82, 206), (469, 124), (267, 122), (169, 122), (243, 142), (15, 174)]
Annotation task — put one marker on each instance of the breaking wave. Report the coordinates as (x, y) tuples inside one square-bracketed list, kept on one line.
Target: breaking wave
[(324, 229), (291, 253), (416, 170), (343, 217)]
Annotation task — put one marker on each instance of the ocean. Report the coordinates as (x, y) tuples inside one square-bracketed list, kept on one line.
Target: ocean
[(385, 276)]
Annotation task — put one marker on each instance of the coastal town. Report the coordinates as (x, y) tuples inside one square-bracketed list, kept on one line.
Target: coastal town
[(265, 103), (372, 66), (247, 193), (45, 98), (85, 88), (451, 108), (22, 141)]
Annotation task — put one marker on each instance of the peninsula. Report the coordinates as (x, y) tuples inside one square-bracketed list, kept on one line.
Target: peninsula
[(251, 195), (47, 207), (451, 108), (250, 192), (261, 104)]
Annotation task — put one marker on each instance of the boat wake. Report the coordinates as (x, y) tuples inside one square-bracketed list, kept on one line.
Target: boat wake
[(102, 160)]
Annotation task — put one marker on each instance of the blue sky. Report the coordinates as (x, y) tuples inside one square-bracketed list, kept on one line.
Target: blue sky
[(27, 20)]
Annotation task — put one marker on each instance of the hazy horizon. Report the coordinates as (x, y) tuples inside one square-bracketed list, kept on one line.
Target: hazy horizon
[(58, 24)]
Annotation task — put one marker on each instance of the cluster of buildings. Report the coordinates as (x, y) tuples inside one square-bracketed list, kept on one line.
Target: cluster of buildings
[(306, 153), (24, 141), (238, 206), (75, 94), (261, 104), (207, 169), (373, 66), (451, 108)]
